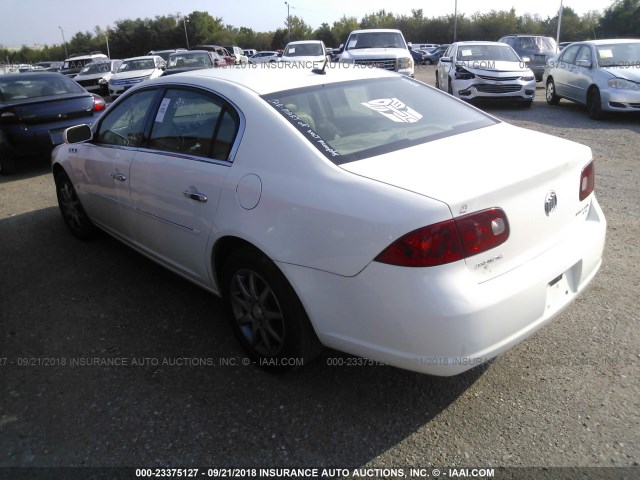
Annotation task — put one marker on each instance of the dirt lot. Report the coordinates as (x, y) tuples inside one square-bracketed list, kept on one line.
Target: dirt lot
[(569, 396)]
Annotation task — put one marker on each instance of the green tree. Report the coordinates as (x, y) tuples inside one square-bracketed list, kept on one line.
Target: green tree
[(621, 20), (343, 27), (325, 34), (380, 19)]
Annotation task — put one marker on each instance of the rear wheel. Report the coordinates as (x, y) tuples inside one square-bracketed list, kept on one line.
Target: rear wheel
[(552, 98), (265, 313), (72, 212), (594, 104)]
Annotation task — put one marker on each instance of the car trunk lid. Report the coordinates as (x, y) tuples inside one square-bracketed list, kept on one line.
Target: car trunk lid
[(534, 178)]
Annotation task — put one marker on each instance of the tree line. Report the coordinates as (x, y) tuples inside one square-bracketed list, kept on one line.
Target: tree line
[(130, 38)]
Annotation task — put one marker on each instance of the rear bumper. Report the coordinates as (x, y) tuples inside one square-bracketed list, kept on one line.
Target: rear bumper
[(439, 320)]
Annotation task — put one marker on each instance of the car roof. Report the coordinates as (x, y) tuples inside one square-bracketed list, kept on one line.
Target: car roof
[(480, 42), (611, 41), (376, 30), (275, 78), (305, 41), (143, 57)]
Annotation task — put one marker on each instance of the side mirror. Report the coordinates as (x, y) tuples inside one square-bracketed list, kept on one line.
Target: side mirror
[(445, 59), (77, 134), (410, 45)]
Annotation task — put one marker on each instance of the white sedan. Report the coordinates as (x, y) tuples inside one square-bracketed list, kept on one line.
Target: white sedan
[(135, 70), (366, 227)]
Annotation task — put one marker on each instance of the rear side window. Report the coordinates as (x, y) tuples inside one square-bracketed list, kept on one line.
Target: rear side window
[(349, 121), (194, 123)]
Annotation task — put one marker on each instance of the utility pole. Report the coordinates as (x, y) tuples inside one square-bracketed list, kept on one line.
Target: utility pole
[(289, 22), (106, 35), (64, 42), (455, 22), (184, 22), (559, 23)]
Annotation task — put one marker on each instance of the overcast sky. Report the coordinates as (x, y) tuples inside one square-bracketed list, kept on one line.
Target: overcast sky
[(33, 22)]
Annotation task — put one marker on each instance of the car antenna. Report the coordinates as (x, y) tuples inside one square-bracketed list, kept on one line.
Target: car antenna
[(320, 71)]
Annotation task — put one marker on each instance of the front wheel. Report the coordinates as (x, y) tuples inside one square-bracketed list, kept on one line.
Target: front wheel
[(73, 214), (594, 104), (265, 313), (552, 98)]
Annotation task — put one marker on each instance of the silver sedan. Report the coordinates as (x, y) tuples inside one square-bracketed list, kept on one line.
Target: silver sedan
[(604, 75)]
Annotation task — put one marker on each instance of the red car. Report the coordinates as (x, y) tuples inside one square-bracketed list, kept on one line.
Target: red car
[(221, 51)]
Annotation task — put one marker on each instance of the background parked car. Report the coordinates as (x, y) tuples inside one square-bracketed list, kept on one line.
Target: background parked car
[(419, 56), (537, 48), (267, 56), (221, 51), (72, 65), (601, 74), (135, 70), (35, 109), (434, 54), (382, 48), (190, 60), (238, 55), (165, 53), (308, 52), (485, 71), (94, 77)]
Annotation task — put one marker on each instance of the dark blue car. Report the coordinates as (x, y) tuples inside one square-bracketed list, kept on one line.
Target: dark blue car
[(35, 109)]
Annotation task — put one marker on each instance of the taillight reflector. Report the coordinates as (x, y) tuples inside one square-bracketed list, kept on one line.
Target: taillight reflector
[(98, 103), (587, 180), (448, 241)]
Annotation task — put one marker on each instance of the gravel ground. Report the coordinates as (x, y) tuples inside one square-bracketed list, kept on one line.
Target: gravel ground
[(569, 396)]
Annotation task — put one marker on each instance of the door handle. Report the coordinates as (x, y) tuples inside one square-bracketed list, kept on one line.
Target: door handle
[(198, 197), (118, 176)]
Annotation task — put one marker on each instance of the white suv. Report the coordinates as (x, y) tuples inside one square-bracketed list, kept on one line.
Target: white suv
[(383, 48), (74, 64)]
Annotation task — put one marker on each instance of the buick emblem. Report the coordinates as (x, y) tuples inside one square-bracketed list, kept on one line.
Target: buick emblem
[(550, 202)]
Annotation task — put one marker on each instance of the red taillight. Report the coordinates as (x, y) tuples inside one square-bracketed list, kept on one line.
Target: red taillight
[(482, 231), (448, 241), (98, 103), (429, 246), (587, 180)]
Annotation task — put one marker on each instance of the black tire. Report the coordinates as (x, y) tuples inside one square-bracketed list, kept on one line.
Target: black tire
[(450, 88), (550, 93), (594, 104), (73, 214), (7, 165), (265, 313), (437, 81)]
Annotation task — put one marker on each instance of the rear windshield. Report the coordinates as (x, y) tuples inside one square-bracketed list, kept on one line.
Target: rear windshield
[(353, 120), (37, 85), (544, 44), (189, 60)]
